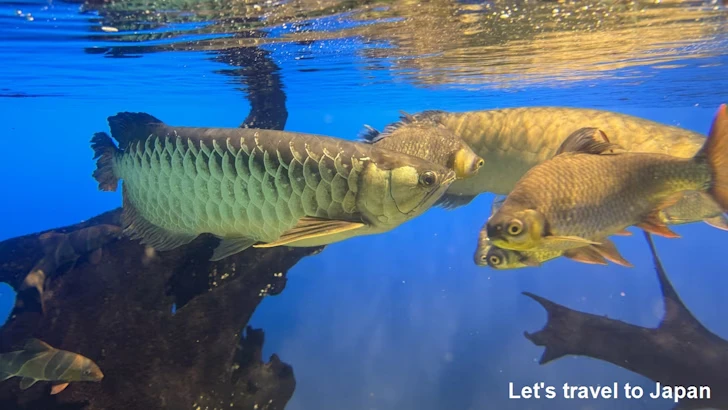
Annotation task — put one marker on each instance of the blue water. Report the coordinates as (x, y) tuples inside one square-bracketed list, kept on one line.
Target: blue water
[(401, 320)]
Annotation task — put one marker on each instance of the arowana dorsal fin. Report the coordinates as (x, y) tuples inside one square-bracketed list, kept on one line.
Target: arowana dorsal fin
[(588, 140), (369, 135), (127, 127)]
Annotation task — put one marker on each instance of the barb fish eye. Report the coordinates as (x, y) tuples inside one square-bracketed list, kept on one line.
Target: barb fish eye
[(428, 178), (494, 260), (480, 163), (515, 227)]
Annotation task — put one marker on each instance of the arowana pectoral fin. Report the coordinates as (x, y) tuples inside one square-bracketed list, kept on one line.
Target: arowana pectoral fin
[(311, 227)]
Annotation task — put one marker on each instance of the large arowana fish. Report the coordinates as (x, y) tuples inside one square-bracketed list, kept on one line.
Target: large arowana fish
[(513, 140), (592, 189), (257, 188), (38, 361)]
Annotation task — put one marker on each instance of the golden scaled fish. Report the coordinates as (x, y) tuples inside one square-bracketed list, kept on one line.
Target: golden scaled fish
[(593, 189), (514, 140), (490, 255), (38, 361), (428, 140), (487, 254), (259, 188), (692, 207)]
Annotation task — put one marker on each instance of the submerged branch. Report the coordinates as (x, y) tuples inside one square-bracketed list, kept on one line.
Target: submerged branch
[(117, 309)]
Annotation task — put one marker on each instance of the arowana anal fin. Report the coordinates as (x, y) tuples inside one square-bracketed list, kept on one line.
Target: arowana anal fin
[(137, 227), (231, 246), (311, 227)]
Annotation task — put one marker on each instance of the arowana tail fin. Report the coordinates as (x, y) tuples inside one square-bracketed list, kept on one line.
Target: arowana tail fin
[(104, 150), (715, 152)]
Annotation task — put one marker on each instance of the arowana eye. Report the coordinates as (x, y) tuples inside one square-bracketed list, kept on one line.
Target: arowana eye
[(428, 178)]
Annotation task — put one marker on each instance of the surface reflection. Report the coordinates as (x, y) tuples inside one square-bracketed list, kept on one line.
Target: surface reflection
[(505, 43)]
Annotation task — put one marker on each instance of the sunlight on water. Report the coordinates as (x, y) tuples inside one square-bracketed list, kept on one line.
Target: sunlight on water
[(500, 44)]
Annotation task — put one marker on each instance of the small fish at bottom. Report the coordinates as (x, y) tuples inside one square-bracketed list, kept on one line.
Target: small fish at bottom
[(38, 361)]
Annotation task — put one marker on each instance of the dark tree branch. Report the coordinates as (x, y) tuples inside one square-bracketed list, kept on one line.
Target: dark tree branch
[(117, 310), (679, 352)]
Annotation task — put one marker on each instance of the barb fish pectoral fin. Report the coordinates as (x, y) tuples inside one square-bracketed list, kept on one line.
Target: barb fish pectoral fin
[(720, 222), (566, 242), (609, 251), (531, 261), (311, 227), (586, 254), (58, 388)]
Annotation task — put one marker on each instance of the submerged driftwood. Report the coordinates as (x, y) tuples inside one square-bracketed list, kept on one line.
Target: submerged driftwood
[(111, 299), (679, 352), (164, 328)]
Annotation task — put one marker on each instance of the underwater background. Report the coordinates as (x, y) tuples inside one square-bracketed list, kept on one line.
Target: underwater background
[(404, 319)]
